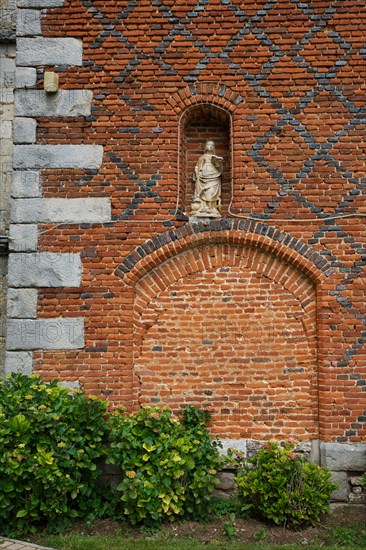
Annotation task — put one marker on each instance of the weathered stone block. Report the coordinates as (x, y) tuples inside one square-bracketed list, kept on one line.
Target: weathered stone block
[(343, 456), (58, 333), (57, 156), (63, 103), (49, 51), (87, 210), (356, 481), (7, 77), (22, 303), (26, 184), (357, 498), (24, 130), (340, 494), (28, 22), (5, 129), (23, 238), (226, 481), (40, 3), (18, 361), (25, 77), (44, 269), (70, 384), (240, 444)]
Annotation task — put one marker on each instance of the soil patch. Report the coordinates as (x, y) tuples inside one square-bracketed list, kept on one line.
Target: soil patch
[(248, 530)]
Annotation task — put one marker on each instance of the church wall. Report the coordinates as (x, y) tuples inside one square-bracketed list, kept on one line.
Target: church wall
[(97, 209)]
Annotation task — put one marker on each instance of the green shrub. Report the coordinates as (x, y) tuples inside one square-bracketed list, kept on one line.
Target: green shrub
[(49, 444), (284, 488), (168, 466)]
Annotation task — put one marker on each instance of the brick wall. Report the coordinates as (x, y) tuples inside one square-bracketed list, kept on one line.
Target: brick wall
[(233, 330), (280, 86)]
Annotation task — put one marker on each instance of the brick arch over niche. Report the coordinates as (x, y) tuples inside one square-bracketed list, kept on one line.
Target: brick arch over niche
[(232, 328), (190, 274), (232, 231)]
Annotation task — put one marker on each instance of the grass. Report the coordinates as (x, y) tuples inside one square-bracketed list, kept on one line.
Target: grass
[(78, 542), (341, 537), (338, 538), (345, 529)]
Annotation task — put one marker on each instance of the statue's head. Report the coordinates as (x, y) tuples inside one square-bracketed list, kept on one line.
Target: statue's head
[(210, 146)]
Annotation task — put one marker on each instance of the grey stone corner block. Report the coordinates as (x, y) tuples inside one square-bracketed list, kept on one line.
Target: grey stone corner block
[(63, 103), (32, 52), (18, 362), (57, 156), (346, 457), (24, 130), (25, 77), (40, 3), (28, 22), (44, 269), (26, 183), (22, 303), (55, 333), (23, 238), (86, 210)]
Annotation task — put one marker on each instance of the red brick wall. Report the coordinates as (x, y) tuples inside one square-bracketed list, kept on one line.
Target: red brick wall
[(234, 329), (293, 80)]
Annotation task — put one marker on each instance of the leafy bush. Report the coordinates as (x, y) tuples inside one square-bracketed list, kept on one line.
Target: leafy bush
[(49, 444), (168, 466), (284, 488)]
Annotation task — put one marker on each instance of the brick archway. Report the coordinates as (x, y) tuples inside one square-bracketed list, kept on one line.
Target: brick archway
[(227, 318), (241, 233)]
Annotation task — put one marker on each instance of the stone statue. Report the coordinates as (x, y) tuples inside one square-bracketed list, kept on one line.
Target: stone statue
[(207, 177)]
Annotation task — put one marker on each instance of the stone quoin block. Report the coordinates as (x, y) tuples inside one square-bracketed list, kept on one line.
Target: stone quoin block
[(28, 22), (57, 156), (86, 210), (23, 237), (44, 269), (40, 3), (22, 303), (24, 130), (25, 77), (63, 103), (18, 362), (25, 184), (49, 51), (57, 333)]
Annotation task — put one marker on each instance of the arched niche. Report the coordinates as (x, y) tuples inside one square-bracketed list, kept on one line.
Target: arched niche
[(232, 328), (199, 123)]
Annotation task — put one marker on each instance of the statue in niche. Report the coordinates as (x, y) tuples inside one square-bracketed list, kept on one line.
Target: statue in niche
[(207, 177)]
